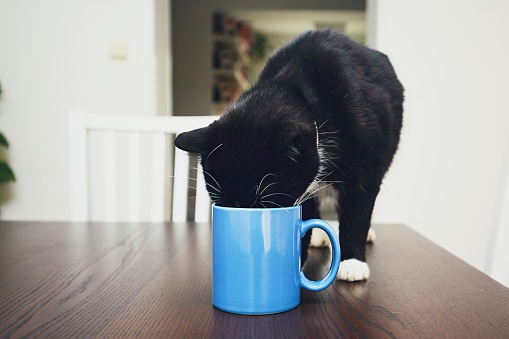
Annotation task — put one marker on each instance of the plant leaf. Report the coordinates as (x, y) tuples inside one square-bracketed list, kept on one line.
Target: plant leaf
[(3, 140), (6, 173)]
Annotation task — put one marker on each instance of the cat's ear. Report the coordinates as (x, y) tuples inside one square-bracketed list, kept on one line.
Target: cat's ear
[(195, 141)]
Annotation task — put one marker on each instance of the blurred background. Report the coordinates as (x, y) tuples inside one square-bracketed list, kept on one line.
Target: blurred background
[(450, 177)]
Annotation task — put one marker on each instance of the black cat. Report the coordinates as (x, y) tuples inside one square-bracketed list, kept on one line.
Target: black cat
[(325, 112)]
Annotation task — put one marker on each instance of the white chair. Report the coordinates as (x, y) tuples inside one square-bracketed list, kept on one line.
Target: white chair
[(116, 131)]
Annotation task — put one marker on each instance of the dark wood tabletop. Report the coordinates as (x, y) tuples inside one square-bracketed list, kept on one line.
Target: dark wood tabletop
[(71, 280)]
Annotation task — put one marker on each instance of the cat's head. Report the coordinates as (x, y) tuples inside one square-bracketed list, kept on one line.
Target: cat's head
[(261, 153)]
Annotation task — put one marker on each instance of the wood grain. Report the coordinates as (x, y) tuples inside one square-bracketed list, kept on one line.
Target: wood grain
[(72, 280)]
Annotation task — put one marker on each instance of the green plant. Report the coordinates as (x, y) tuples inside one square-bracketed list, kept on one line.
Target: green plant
[(6, 173)]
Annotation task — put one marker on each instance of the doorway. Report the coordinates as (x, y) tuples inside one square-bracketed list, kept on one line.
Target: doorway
[(243, 40), (279, 21)]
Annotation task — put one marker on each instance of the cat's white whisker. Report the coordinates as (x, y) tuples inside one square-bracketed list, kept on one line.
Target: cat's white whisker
[(324, 159), (326, 120), (267, 187), (195, 179), (174, 177), (212, 177), (261, 182), (213, 187), (311, 197), (208, 156), (312, 194), (277, 193), (272, 202)]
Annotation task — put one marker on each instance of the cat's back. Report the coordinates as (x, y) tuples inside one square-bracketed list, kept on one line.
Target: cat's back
[(338, 73), (328, 54)]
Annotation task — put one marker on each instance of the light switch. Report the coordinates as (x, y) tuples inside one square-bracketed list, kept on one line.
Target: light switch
[(118, 51)]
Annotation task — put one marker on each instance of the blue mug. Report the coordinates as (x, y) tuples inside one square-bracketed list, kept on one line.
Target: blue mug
[(256, 265)]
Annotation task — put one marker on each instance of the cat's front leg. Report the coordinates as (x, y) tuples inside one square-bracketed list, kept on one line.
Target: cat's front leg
[(309, 211), (320, 239), (351, 269), (354, 223)]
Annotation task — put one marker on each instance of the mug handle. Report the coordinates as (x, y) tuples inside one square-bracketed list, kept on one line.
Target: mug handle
[(336, 256)]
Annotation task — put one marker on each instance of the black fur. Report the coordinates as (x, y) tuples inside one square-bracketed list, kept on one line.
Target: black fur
[(263, 151)]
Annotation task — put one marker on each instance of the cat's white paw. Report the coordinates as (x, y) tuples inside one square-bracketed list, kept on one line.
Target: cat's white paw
[(319, 238), (371, 235), (353, 270)]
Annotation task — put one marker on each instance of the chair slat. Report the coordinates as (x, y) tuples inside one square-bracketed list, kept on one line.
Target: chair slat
[(180, 185), (134, 175), (110, 179), (158, 178), (202, 209)]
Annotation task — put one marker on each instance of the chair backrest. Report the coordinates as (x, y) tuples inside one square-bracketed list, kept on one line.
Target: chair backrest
[(155, 153)]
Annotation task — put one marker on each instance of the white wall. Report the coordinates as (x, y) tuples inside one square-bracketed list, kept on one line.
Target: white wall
[(452, 57), (498, 261), (55, 57)]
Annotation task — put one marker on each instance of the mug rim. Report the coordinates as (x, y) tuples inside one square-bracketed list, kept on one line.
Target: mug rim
[(251, 209)]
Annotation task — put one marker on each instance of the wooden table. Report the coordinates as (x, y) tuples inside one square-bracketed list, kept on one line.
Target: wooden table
[(70, 280)]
